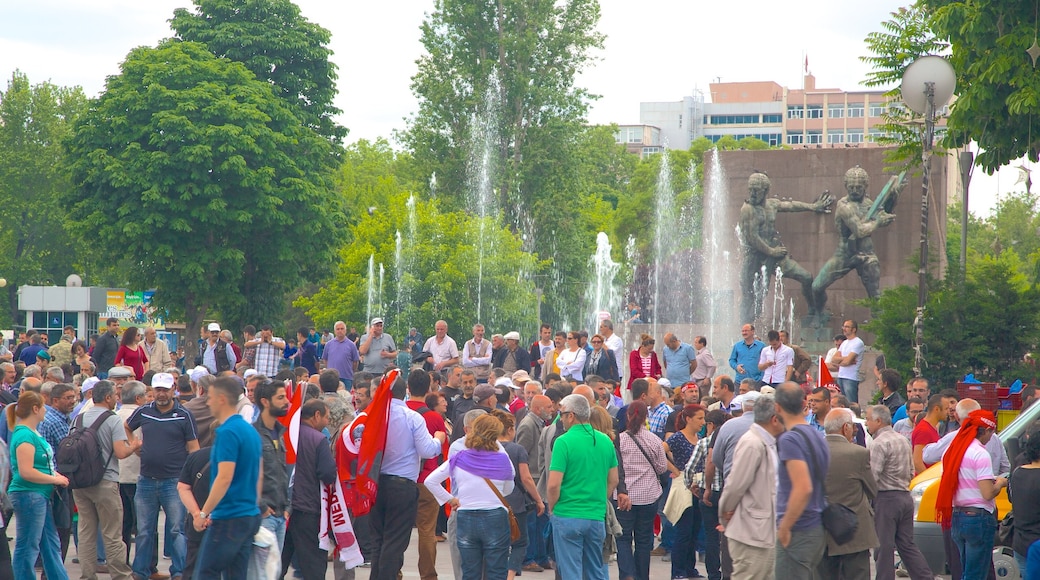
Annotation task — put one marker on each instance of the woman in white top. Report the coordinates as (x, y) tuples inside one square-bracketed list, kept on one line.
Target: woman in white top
[(482, 523), (572, 360)]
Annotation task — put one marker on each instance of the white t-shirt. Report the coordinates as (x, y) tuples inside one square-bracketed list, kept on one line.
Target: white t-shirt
[(830, 355), (446, 350), (851, 345)]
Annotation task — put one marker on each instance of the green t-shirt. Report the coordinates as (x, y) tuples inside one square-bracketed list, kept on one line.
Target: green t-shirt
[(584, 456), (43, 460)]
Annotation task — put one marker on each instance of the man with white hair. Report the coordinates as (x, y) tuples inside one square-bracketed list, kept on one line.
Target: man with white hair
[(159, 358), (894, 507), (933, 452), (476, 354), (582, 474), (512, 358), (442, 348), (849, 483)]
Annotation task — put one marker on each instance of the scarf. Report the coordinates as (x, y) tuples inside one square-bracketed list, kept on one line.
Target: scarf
[(489, 464), (952, 462)]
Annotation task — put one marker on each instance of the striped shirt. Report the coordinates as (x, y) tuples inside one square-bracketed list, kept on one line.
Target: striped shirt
[(975, 467), (641, 479), (890, 460)]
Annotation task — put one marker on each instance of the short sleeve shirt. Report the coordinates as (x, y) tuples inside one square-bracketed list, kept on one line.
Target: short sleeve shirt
[(373, 362), (923, 434), (584, 456), (237, 442), (851, 345), (446, 350), (517, 498), (111, 431), (793, 446), (677, 363), (975, 467), (43, 460), (164, 438)]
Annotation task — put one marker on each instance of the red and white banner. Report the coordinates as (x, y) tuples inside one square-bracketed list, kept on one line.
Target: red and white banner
[(337, 532), (291, 420)]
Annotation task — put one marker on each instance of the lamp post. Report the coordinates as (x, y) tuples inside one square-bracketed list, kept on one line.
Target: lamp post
[(928, 82)]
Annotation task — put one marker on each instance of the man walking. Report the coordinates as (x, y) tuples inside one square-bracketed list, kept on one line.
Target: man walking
[(100, 504), (168, 434), (314, 468), (583, 473), (428, 508), (274, 495), (894, 508), (230, 515)]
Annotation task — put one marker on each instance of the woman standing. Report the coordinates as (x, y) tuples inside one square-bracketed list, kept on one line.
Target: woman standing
[(518, 499), (131, 353), (600, 361), (707, 492), (680, 445), (642, 362), (643, 457), (572, 360), (33, 478), (480, 476), (1024, 492)]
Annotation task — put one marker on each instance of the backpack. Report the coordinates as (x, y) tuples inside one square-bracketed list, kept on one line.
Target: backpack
[(79, 454)]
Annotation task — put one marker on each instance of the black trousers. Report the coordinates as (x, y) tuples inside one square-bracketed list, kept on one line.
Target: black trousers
[(392, 518), (127, 491), (301, 540)]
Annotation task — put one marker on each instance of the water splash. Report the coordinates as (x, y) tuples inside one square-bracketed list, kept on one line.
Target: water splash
[(719, 279), (433, 185), (371, 287), (399, 277), (382, 274), (602, 292), (664, 208), (778, 298), (483, 144)]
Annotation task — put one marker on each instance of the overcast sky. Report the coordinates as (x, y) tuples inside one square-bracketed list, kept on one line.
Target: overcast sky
[(655, 50)]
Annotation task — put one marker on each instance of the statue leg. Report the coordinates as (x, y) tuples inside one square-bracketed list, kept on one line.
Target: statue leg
[(795, 271), (869, 272), (835, 269)]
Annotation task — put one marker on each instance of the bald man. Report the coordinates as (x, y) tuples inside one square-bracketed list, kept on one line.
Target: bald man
[(528, 433), (587, 392)]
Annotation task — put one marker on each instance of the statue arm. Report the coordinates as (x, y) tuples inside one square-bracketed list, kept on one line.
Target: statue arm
[(822, 204), (862, 228)]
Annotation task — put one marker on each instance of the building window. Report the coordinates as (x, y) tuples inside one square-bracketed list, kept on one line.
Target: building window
[(814, 137), (733, 119), (52, 323), (855, 136), (835, 137), (647, 151), (877, 110), (795, 112), (814, 112), (795, 138), (777, 118), (835, 111), (855, 110), (875, 135)]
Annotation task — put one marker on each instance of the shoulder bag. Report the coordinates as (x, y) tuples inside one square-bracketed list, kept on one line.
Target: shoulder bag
[(839, 520), (514, 527)]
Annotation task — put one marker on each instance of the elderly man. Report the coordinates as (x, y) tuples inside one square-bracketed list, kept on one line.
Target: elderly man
[(706, 366), (377, 349), (512, 358), (159, 358), (476, 354), (747, 507), (582, 475), (218, 355), (892, 468), (134, 396), (528, 432), (680, 360), (850, 483), (442, 348)]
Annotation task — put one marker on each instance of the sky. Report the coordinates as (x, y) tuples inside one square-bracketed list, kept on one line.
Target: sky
[(655, 50)]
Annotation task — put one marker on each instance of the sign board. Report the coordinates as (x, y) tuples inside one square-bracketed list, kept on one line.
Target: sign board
[(131, 309)]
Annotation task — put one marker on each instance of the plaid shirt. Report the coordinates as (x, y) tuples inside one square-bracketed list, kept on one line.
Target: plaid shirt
[(54, 427), (657, 418), (268, 357), (644, 487), (696, 464)]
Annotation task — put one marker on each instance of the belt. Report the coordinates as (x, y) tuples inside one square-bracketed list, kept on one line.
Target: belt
[(395, 478), (972, 510)]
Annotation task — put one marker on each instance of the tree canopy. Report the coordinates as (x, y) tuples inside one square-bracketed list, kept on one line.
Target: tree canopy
[(192, 167)]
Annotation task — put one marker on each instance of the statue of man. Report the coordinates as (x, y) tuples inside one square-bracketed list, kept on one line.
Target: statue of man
[(762, 246), (857, 218)]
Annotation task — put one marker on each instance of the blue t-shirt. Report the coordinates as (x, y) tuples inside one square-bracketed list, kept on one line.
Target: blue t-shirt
[(238, 442), (791, 445), (677, 364), (747, 355)]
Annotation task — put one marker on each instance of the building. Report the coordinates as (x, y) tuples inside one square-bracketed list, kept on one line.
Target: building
[(809, 117), (641, 140)]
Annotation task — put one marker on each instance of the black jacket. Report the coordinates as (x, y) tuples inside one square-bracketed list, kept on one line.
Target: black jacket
[(605, 367), (523, 359), (275, 488), (105, 350)]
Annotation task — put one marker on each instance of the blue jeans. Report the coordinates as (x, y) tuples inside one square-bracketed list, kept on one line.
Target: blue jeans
[(973, 530), (35, 536), (275, 523), (637, 527), (536, 532), (849, 388), (579, 548), (151, 495), (226, 547), (684, 550), (483, 540)]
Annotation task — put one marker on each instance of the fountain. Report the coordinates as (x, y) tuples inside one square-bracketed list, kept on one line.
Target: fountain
[(399, 274), (484, 135), (371, 288), (380, 295), (602, 293), (664, 230), (720, 268)]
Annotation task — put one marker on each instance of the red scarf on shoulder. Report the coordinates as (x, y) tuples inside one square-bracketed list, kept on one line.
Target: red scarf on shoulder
[(952, 462)]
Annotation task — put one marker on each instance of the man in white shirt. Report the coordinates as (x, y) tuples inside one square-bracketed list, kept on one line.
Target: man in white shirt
[(476, 353), (444, 351), (615, 344), (706, 366), (776, 361), (849, 359)]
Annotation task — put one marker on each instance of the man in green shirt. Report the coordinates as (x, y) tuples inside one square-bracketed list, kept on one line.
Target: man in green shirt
[(582, 475)]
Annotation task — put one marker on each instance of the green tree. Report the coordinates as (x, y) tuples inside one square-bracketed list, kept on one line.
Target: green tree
[(438, 279), (278, 44), (192, 166), (34, 246)]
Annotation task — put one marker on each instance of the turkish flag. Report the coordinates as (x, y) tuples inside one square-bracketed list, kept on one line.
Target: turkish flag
[(826, 380), (291, 420)]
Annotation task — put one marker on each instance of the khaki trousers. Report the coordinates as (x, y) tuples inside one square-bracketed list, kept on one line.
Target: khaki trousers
[(426, 524), (102, 505), (751, 562)]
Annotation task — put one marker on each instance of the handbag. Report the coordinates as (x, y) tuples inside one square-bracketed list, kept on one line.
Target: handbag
[(839, 520), (514, 527)]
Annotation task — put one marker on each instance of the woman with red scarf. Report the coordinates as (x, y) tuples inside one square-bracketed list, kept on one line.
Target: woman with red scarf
[(966, 493)]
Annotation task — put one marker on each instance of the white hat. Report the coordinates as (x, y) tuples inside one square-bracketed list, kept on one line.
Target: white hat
[(376, 321), (197, 373), (89, 384), (512, 335), (120, 372), (213, 327), (162, 381), (664, 383), (250, 373), (503, 382)]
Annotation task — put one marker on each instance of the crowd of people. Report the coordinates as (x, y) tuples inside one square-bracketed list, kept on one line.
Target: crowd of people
[(559, 461)]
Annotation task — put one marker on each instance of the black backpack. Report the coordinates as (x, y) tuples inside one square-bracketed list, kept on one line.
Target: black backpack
[(79, 454)]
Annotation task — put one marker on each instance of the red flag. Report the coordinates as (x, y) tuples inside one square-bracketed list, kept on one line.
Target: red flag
[(358, 457), (291, 420), (826, 380)]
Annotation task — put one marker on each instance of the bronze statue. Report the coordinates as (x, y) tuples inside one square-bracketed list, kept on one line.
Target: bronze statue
[(763, 248), (857, 218)]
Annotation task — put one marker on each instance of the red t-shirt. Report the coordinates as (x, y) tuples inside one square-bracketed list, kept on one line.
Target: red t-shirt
[(434, 423), (923, 434)]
